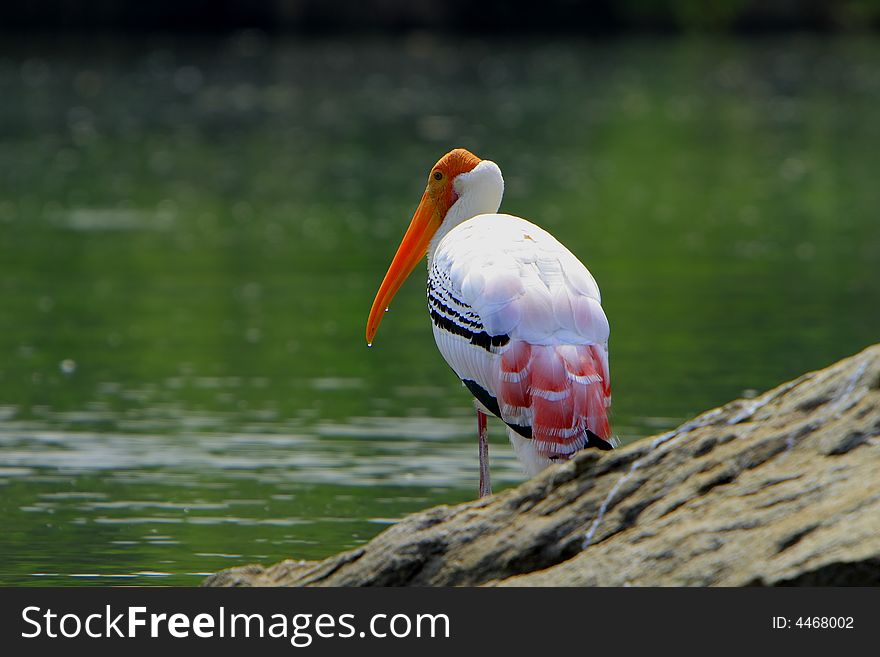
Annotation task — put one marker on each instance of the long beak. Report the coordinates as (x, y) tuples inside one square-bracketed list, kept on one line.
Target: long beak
[(412, 249)]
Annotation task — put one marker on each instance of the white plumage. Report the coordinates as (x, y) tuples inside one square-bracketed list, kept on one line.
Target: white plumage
[(520, 281)]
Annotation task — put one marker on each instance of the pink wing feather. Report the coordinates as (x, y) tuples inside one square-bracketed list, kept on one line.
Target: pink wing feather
[(561, 388)]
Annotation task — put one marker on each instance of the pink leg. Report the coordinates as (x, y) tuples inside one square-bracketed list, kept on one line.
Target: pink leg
[(485, 484)]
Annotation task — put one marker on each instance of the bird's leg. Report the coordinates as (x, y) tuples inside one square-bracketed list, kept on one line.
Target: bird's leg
[(485, 484)]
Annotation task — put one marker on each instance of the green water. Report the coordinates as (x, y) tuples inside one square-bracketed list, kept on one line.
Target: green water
[(192, 232)]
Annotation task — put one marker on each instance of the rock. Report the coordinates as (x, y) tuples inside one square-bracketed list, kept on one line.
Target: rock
[(779, 490)]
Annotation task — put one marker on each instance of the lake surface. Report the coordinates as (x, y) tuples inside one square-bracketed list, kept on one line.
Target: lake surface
[(191, 235)]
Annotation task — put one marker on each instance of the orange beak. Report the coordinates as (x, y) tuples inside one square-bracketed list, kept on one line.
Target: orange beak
[(412, 249)]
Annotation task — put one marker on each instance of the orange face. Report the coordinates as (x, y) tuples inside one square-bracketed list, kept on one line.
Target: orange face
[(438, 198), (440, 189)]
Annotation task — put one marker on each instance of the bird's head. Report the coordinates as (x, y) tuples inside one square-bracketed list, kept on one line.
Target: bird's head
[(460, 186)]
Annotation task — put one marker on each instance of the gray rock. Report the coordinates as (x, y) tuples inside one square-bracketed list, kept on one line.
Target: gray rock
[(783, 489)]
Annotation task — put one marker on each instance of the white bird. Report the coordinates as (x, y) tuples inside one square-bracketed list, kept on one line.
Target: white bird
[(515, 314)]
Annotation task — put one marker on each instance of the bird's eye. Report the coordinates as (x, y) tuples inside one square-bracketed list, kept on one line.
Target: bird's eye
[(438, 175)]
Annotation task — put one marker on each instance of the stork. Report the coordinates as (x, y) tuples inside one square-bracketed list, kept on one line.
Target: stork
[(514, 313)]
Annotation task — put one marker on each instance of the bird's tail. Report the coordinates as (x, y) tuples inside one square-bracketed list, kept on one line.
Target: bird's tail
[(561, 391)]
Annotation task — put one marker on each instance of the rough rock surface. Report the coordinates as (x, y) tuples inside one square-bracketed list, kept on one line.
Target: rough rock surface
[(783, 489)]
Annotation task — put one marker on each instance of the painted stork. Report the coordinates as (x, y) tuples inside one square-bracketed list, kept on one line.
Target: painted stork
[(515, 314)]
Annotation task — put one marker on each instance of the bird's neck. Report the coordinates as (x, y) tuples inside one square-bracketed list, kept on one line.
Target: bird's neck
[(466, 207)]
